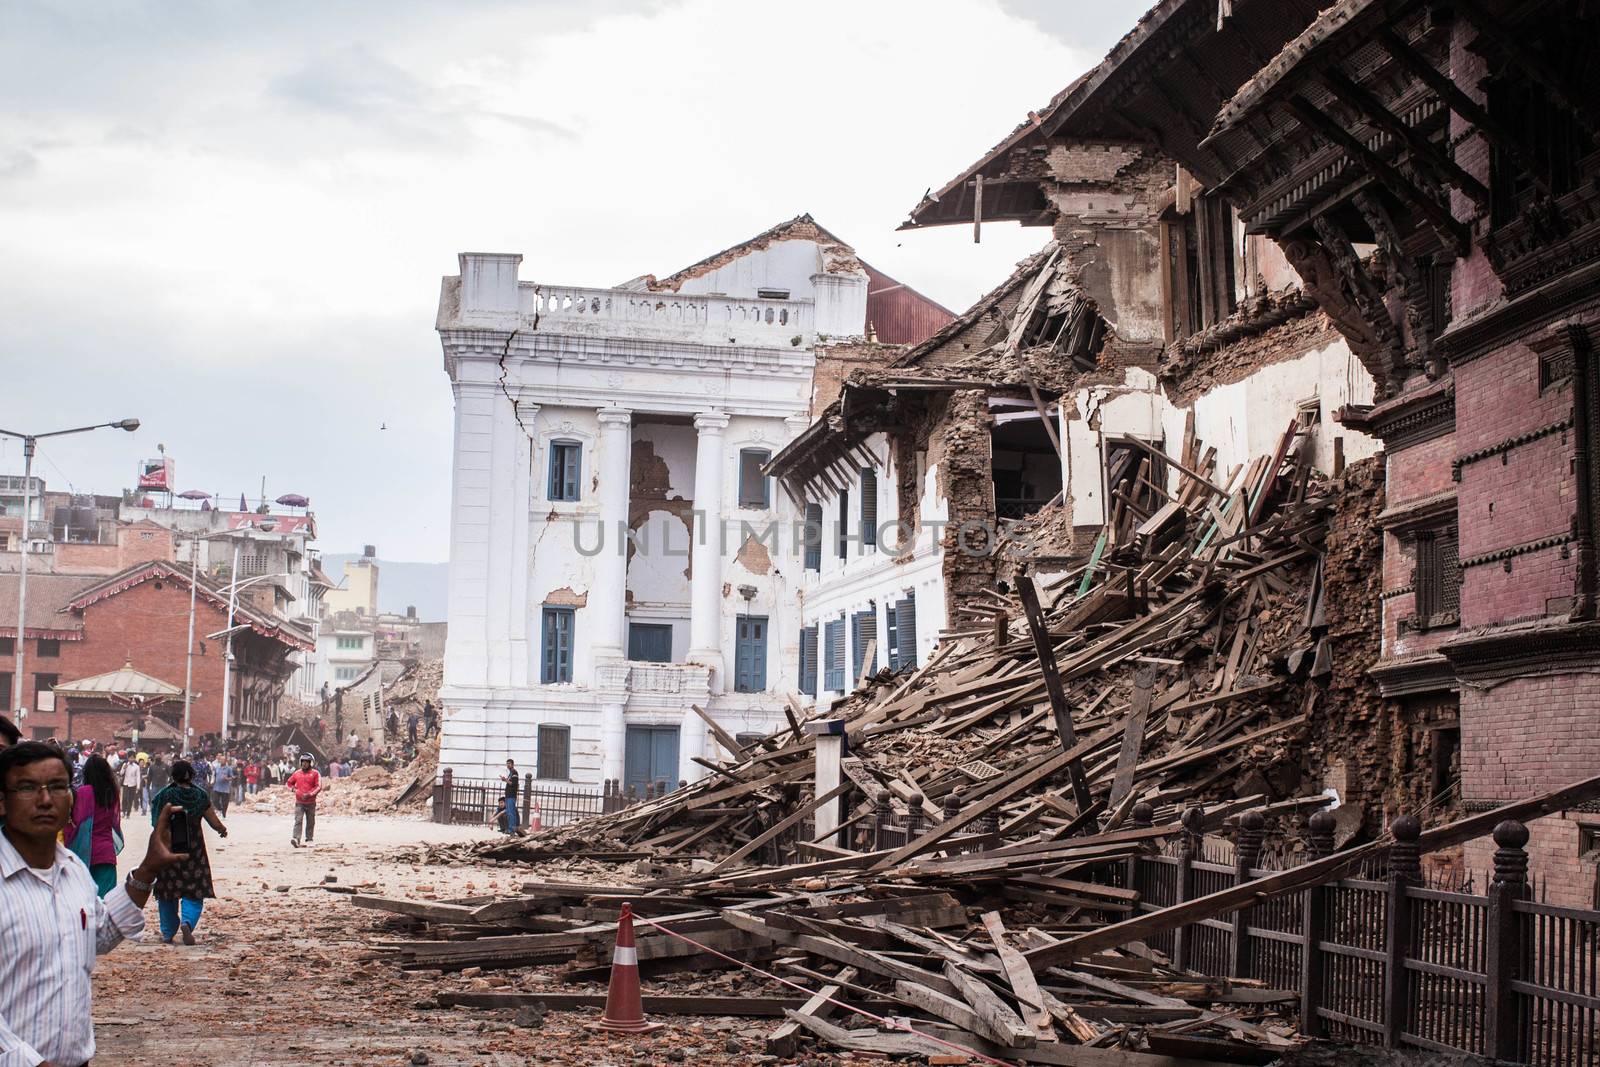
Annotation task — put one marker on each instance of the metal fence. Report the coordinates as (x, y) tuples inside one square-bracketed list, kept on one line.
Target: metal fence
[(539, 804), (1393, 962)]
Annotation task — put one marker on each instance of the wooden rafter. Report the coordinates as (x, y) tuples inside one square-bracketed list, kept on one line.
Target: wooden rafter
[(1368, 106), (1363, 292), (1463, 105), (1452, 234), (1405, 274)]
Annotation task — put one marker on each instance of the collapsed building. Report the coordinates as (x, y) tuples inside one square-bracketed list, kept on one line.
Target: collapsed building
[(1390, 215)]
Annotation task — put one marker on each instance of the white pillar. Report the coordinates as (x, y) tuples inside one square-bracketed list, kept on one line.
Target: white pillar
[(705, 554), (608, 593), (830, 772), (613, 737), (523, 667), (694, 744)]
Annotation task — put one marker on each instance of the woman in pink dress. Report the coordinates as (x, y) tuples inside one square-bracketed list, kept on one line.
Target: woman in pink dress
[(97, 797)]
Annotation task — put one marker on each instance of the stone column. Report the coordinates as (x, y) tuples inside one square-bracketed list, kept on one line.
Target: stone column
[(522, 609), (608, 592), (830, 772), (705, 552), (613, 733)]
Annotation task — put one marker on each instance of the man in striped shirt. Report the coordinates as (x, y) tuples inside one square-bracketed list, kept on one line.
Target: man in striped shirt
[(53, 923)]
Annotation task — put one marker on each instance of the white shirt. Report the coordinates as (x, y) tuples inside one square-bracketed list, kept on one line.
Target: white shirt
[(52, 926)]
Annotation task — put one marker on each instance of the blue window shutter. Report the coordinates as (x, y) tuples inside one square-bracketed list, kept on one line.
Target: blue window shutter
[(906, 630), (833, 666), (547, 658), (869, 506), (813, 537), (556, 662), (566, 466), (808, 661), (890, 617), (863, 628), (843, 532), (750, 655)]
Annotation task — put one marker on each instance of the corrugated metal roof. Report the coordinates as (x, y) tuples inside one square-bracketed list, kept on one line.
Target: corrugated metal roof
[(122, 682), (899, 315)]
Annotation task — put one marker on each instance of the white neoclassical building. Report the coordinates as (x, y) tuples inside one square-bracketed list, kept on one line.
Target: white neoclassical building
[(618, 555)]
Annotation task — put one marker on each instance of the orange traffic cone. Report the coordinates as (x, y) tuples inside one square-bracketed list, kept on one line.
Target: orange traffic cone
[(624, 1010), (535, 824)]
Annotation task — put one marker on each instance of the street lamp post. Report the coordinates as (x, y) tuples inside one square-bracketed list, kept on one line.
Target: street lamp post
[(30, 442), (194, 585), (265, 526)]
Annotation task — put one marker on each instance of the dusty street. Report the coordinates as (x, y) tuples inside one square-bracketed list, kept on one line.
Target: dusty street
[(277, 977)]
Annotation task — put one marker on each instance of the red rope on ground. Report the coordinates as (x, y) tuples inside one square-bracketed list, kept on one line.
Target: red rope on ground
[(881, 1020)]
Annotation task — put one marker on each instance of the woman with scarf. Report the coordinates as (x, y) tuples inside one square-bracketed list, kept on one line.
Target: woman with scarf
[(181, 890), (96, 799)]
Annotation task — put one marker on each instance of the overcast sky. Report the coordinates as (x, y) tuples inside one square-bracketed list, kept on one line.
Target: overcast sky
[(229, 219)]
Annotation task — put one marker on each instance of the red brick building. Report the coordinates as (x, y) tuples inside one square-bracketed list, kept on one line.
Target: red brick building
[(82, 626)]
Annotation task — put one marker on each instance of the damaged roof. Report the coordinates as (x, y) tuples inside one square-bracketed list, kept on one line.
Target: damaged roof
[(1160, 85), (838, 257), (1052, 332), (1011, 187)]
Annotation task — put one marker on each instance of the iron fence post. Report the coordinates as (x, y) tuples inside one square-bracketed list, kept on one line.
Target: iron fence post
[(1144, 817), (881, 813), (441, 797), (1194, 828), (1314, 929), (1503, 953), (1405, 871), (1246, 854)]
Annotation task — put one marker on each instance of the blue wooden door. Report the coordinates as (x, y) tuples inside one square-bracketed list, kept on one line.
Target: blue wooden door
[(651, 755), (750, 655)]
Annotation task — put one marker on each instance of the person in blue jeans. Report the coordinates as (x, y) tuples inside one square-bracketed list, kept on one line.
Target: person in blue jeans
[(182, 889), (510, 779)]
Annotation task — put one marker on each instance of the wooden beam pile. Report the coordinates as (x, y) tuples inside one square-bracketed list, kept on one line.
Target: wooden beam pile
[(1168, 668), (1049, 738)]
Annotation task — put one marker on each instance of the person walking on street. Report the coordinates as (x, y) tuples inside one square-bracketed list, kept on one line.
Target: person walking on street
[(159, 776), (510, 779), (183, 888), (306, 784), (252, 777), (94, 808), (221, 784), (132, 775), (46, 1012)]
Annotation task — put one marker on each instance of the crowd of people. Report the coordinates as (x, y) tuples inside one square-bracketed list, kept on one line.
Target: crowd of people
[(61, 834)]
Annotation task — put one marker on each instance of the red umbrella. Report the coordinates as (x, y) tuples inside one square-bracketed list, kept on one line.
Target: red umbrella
[(194, 494), (293, 500)]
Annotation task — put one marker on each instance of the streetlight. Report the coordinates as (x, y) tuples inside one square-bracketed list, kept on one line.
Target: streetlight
[(30, 442), (194, 582), (265, 526)]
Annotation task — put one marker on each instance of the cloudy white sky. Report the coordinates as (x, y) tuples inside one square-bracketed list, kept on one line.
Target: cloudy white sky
[(229, 219)]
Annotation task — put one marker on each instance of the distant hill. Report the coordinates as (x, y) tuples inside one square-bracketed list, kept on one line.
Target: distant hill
[(424, 586)]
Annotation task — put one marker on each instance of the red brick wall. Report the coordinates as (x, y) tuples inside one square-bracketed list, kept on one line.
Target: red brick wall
[(1529, 735), (1420, 470), (1525, 494), (1415, 472), (1560, 877)]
